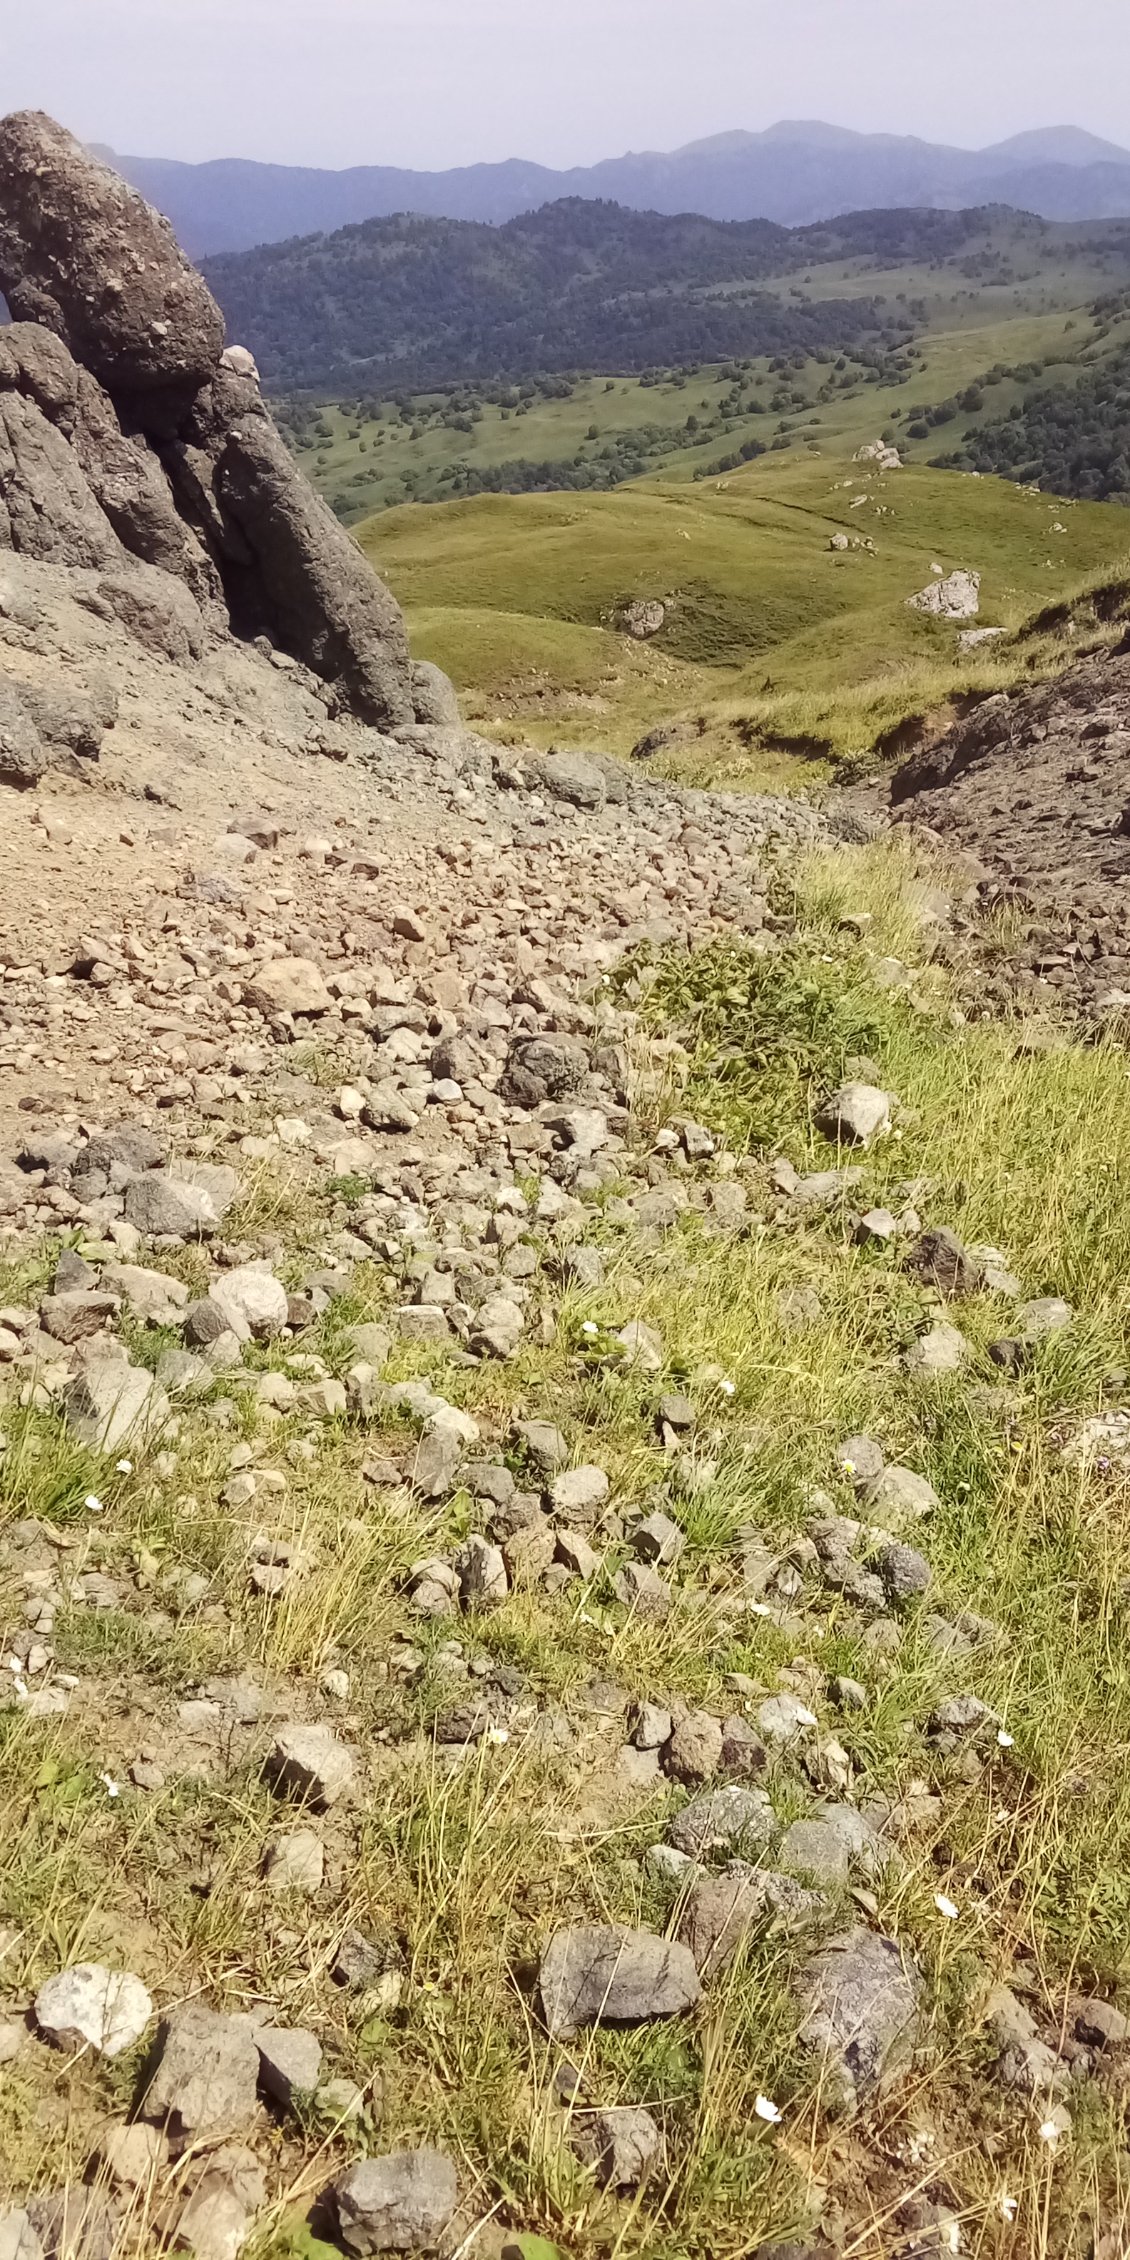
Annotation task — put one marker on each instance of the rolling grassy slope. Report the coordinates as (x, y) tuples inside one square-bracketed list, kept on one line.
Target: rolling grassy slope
[(515, 595), (364, 462)]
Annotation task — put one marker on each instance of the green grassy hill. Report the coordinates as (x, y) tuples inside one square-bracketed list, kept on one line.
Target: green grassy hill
[(767, 625)]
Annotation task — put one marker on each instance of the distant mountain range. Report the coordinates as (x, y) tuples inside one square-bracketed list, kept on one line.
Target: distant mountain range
[(794, 173)]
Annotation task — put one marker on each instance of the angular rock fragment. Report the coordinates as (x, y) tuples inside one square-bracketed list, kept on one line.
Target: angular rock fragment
[(206, 2080), (309, 1763), (603, 1974), (399, 2203)]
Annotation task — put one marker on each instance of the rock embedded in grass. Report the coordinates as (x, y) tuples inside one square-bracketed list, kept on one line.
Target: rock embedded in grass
[(401, 2202), (643, 1592), (309, 1763), (939, 1260), (941, 1350), (861, 2000), (855, 1114), (578, 1493), (624, 2144), (295, 1863), (861, 1459), (899, 1494), (694, 1751), (605, 1974), (733, 1820), (290, 2062)]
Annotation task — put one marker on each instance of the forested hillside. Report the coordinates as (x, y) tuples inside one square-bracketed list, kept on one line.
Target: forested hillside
[(413, 301)]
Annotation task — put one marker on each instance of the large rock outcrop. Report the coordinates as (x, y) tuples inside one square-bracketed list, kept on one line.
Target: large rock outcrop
[(84, 255), (128, 433)]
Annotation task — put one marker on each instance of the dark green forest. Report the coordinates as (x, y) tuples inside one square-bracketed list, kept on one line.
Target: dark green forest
[(1071, 438), (412, 302)]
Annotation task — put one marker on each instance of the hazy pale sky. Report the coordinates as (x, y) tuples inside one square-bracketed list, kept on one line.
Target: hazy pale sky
[(432, 83)]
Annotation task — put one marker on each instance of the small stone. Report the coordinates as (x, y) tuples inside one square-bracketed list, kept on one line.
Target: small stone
[(677, 1412), (218, 2217), (643, 1346), (959, 1714), (624, 2144), (578, 1493), (940, 1260), (19, 2240), (1043, 1318), (855, 1114), (401, 2202), (899, 1494), (545, 1444), (604, 1974), (288, 985), (295, 1863), (644, 1592), (358, 1962), (74, 2223), (253, 1302), (309, 1763), (815, 1852), (861, 1459), (91, 2006), (861, 2001), (737, 1821), (942, 1350), (784, 1718), (574, 1551), (694, 1752), (743, 1752), (481, 1570), (651, 1727), (1027, 2064), (875, 1227), (290, 2062), (1101, 2025), (422, 1322), (657, 1539), (111, 1404), (134, 2156), (437, 1459), (905, 1573), (342, 2099)]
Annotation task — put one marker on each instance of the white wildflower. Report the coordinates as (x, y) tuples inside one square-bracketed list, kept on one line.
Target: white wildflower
[(946, 1907), (92, 1504), (767, 2111)]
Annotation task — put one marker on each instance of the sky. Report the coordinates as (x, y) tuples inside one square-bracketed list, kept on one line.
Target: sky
[(432, 83)]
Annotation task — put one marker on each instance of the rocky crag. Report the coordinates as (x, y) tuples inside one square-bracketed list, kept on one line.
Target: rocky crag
[(136, 448)]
